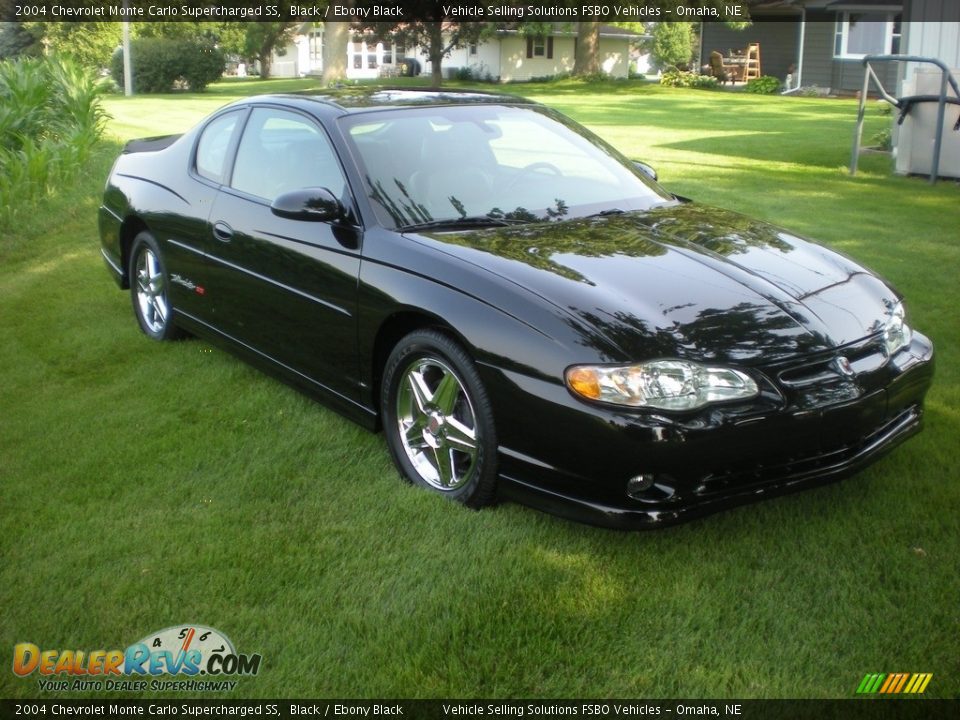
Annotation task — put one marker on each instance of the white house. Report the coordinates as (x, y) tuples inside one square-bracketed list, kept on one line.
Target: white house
[(507, 57)]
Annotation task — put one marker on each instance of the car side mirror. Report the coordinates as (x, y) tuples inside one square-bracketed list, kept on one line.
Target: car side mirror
[(645, 169), (313, 204)]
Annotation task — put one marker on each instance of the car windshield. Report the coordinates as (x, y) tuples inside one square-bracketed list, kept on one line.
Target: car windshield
[(424, 167)]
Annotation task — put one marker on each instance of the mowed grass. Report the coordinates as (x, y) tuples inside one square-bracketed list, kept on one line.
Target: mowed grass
[(146, 485)]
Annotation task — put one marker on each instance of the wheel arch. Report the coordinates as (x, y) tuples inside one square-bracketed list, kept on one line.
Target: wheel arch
[(395, 327), (132, 226)]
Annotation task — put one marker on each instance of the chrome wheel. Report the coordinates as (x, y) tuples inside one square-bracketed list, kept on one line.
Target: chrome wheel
[(438, 419), (437, 424), (147, 276), (151, 291)]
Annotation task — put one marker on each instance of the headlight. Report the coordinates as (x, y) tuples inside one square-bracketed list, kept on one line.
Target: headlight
[(660, 384), (896, 333)]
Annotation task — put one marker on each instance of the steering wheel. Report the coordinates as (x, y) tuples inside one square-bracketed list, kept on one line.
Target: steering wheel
[(534, 167)]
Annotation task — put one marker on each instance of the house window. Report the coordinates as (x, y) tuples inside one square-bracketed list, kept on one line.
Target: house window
[(866, 33), (357, 49), (387, 53), (473, 48), (316, 46), (540, 47)]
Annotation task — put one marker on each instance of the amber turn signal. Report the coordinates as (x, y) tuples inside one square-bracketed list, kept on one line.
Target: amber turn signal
[(584, 381)]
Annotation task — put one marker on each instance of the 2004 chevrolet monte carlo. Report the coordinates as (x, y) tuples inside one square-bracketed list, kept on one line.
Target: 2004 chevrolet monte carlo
[(524, 312)]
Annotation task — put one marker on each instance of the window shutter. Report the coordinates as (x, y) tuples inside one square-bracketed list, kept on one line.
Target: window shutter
[(529, 47), (550, 47), (575, 47)]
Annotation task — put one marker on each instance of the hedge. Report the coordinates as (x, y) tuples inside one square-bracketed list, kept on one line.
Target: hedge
[(161, 64)]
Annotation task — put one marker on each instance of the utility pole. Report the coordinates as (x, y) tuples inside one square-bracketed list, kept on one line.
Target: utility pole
[(127, 65)]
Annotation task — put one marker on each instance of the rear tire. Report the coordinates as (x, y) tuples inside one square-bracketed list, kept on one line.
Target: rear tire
[(437, 419), (149, 283)]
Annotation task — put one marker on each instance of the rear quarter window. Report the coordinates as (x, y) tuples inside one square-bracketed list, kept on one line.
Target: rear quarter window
[(213, 145)]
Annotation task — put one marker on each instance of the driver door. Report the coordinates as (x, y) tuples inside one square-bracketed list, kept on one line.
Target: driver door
[(287, 289)]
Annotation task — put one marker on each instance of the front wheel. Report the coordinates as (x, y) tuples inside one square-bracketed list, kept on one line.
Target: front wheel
[(148, 289), (438, 420)]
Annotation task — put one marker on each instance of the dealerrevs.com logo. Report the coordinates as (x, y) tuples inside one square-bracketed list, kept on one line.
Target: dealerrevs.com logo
[(181, 651)]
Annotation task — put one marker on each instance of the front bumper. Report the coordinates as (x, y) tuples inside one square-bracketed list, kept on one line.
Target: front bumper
[(721, 461)]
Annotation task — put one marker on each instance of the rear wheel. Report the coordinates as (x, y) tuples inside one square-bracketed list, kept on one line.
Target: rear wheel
[(149, 289), (438, 420)]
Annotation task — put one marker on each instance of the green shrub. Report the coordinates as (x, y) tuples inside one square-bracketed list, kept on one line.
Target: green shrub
[(882, 140), (550, 78), (596, 77), (163, 64), (766, 85), (204, 65), (50, 122), (588, 78), (682, 78)]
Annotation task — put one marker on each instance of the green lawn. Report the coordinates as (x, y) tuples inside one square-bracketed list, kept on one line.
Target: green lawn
[(147, 485)]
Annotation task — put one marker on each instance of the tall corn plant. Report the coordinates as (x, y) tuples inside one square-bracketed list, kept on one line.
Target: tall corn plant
[(50, 122)]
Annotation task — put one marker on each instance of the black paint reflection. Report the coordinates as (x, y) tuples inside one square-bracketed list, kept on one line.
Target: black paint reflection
[(679, 281)]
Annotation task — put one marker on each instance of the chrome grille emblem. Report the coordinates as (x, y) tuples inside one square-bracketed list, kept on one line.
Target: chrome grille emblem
[(843, 366)]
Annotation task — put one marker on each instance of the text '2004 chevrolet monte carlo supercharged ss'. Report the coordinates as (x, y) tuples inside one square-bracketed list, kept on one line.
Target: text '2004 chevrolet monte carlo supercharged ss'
[(524, 312)]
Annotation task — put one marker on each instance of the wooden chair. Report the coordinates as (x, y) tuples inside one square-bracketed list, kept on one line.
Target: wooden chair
[(751, 70)]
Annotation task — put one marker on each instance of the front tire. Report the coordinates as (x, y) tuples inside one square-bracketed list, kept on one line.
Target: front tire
[(438, 420), (149, 283)]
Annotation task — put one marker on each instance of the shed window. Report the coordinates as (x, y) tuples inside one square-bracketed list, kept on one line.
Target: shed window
[(866, 33)]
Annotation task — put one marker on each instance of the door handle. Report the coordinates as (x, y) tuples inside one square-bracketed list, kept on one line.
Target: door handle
[(222, 231)]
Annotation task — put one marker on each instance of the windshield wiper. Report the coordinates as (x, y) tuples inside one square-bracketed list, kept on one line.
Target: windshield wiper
[(474, 221)]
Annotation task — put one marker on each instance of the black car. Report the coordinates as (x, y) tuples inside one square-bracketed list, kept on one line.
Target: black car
[(523, 311)]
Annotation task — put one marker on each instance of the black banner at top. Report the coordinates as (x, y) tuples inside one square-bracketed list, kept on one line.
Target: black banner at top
[(497, 11), (374, 10)]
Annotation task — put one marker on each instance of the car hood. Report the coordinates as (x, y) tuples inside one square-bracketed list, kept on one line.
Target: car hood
[(688, 281)]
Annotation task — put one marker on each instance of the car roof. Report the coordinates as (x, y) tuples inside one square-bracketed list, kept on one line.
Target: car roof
[(357, 99)]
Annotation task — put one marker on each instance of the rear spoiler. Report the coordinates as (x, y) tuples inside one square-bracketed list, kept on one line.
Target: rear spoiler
[(150, 144)]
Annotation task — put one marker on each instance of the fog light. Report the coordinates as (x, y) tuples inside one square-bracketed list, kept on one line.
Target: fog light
[(639, 484)]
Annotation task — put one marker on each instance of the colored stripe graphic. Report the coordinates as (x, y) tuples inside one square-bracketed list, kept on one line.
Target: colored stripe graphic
[(894, 683)]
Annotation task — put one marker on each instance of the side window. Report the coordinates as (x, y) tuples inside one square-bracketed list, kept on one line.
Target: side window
[(282, 151), (213, 145)]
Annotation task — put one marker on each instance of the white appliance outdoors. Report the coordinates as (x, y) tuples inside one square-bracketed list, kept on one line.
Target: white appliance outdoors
[(915, 138)]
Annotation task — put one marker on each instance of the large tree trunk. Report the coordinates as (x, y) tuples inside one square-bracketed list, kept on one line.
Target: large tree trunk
[(588, 49), (335, 37), (436, 53), (264, 59)]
